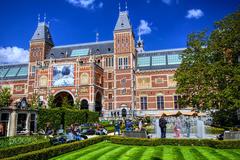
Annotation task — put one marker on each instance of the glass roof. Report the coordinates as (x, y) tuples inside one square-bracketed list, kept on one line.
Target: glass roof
[(143, 61), (80, 52), (3, 71), (12, 72), (23, 71)]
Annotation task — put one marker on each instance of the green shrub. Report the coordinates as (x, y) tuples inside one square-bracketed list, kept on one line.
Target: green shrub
[(50, 152), (18, 140), (53, 116), (58, 116), (15, 150), (176, 142), (214, 130)]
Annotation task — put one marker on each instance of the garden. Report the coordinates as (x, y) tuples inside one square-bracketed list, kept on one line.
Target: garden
[(112, 147)]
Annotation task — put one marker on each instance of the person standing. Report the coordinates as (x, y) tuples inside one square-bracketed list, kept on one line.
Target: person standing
[(117, 128), (163, 126), (177, 128), (188, 126), (140, 125)]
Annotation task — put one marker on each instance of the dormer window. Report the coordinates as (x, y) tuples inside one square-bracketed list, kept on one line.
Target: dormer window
[(97, 51)]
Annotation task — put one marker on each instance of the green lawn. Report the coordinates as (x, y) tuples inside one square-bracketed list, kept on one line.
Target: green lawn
[(110, 151)]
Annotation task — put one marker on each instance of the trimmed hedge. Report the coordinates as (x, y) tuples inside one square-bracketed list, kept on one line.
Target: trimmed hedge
[(214, 130), (50, 152), (57, 116), (18, 140), (12, 151), (53, 116), (177, 142), (54, 151)]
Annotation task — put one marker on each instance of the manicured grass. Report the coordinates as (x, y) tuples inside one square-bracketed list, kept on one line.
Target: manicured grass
[(110, 151)]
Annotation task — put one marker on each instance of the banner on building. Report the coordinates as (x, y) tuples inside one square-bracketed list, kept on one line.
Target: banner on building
[(63, 75)]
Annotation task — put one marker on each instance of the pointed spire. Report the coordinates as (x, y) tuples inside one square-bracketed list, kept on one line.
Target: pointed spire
[(139, 34), (45, 17), (97, 37), (42, 32), (38, 18), (126, 6), (119, 7), (123, 22)]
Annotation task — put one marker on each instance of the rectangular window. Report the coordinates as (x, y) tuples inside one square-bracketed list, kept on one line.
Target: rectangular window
[(158, 60), (109, 75), (109, 96), (109, 62), (125, 60), (143, 61), (160, 102), (120, 63), (176, 104), (144, 103), (110, 105), (123, 63), (174, 59), (109, 85), (33, 69)]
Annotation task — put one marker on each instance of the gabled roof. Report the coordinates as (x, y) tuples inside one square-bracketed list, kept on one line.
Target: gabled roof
[(42, 33), (13, 71), (102, 47), (123, 22)]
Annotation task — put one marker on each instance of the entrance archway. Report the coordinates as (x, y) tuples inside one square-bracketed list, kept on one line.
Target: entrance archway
[(59, 97), (84, 104), (98, 102)]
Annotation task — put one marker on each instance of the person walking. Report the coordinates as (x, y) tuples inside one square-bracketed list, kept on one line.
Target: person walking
[(162, 125)]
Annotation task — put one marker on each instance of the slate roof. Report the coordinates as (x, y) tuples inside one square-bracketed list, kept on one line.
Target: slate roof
[(157, 53), (14, 72), (103, 47), (42, 33), (123, 22)]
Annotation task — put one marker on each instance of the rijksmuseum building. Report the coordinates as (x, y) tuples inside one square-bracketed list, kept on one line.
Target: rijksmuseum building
[(105, 76)]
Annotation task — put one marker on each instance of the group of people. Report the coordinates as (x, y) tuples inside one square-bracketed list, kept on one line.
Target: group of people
[(177, 128), (129, 126)]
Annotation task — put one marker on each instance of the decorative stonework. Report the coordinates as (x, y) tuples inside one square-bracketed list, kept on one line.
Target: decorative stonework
[(43, 81), (84, 78)]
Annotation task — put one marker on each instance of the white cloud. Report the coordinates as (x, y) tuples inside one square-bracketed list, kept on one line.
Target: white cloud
[(194, 13), (13, 55), (144, 28), (100, 5), (87, 4), (167, 1)]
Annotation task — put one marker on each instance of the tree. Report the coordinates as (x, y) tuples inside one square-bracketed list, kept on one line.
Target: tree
[(35, 99), (77, 103), (209, 76), (5, 97), (51, 103), (66, 104)]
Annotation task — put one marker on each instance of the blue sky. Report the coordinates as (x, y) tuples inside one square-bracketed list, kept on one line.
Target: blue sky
[(164, 23)]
